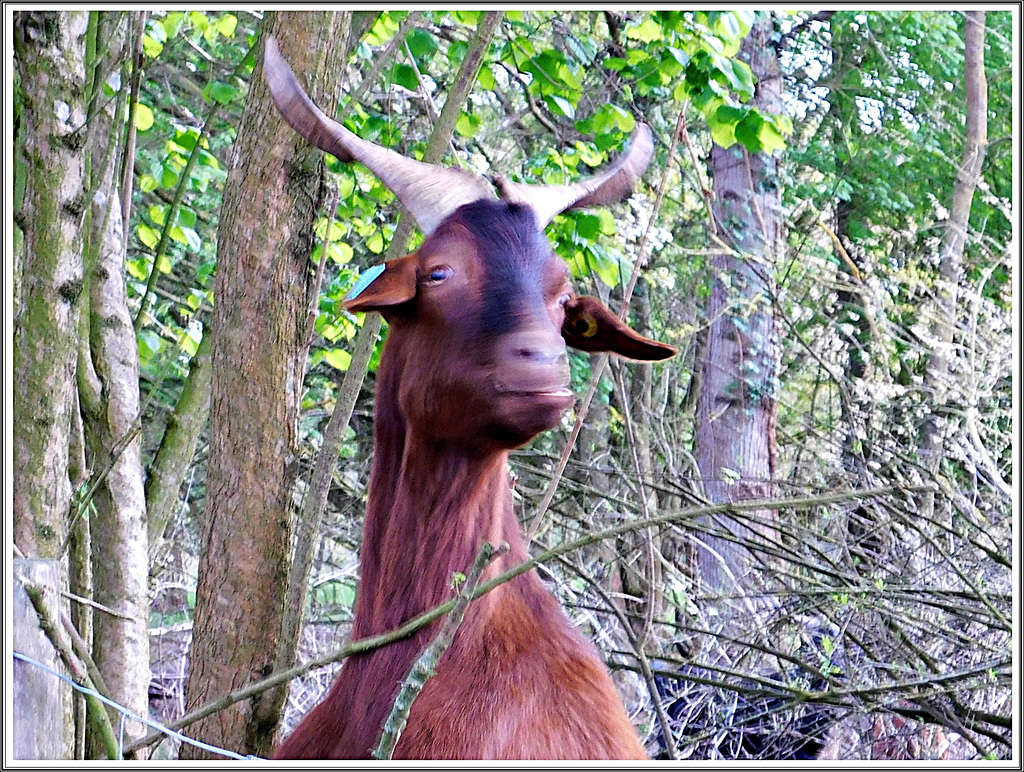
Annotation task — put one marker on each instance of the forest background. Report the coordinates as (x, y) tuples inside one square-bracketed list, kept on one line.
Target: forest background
[(793, 538)]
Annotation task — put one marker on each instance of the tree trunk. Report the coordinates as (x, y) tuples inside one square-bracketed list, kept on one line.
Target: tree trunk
[(178, 446), (50, 58), (311, 516), (108, 379), (735, 433), (262, 286), (951, 252)]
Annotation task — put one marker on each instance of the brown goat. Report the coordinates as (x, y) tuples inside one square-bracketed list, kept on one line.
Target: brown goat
[(474, 365)]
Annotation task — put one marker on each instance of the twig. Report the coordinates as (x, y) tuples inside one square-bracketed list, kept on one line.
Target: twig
[(128, 159), (426, 665), (97, 714), (664, 724), (99, 606), (599, 364), (410, 627), (314, 296), (171, 217)]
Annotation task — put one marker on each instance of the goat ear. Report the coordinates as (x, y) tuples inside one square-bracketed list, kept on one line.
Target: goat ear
[(590, 326), (383, 286)]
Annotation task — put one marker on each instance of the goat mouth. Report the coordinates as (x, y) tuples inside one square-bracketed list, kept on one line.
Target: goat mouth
[(556, 392)]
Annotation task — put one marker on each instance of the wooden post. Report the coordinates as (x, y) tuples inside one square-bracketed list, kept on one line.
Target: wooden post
[(42, 725)]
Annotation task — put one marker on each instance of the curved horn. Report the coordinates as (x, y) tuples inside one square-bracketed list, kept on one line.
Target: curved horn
[(430, 193), (612, 184)]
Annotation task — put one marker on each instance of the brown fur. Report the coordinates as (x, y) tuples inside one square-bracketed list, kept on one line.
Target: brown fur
[(473, 366)]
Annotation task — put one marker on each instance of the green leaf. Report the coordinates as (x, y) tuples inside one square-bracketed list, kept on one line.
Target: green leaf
[(158, 214), (147, 235), (729, 114), (150, 344), (226, 25), (150, 47), (199, 20), (723, 134), (196, 298), (143, 117), (770, 138), (382, 31), (647, 31), (340, 252), (337, 229), (467, 125), (190, 343), (147, 183), (137, 269), (560, 105), (172, 23), (486, 78), (376, 242), (469, 18), (404, 75), (748, 133), (338, 358), (589, 226), (187, 236), (610, 117), (169, 178), (457, 52), (727, 25), (589, 155), (421, 43), (187, 217), (208, 159), (221, 93)]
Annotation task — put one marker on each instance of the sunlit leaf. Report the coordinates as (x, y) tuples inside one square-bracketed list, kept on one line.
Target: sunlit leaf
[(467, 125), (338, 358), (143, 117), (226, 25), (560, 105), (147, 235), (647, 31)]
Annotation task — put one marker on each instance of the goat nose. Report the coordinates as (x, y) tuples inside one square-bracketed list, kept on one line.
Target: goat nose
[(535, 348)]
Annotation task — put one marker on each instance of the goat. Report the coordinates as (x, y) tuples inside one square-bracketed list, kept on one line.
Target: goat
[(474, 365)]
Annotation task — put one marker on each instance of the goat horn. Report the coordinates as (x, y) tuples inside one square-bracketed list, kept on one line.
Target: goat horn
[(429, 192), (612, 184)]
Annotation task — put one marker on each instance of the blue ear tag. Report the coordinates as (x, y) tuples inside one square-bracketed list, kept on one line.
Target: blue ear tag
[(365, 280)]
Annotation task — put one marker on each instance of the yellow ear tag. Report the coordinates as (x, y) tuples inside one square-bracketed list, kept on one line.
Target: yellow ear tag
[(591, 323)]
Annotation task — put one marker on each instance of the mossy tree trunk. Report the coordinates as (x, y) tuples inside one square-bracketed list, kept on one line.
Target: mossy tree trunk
[(50, 62), (108, 383)]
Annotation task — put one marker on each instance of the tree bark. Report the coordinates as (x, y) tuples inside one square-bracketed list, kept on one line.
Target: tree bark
[(108, 380), (951, 252), (262, 285), (178, 446), (311, 517), (50, 58), (735, 433)]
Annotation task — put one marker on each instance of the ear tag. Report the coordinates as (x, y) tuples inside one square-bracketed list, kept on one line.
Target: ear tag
[(591, 326), (365, 280)]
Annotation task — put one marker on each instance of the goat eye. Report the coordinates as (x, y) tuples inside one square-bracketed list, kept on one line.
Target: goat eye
[(438, 275)]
